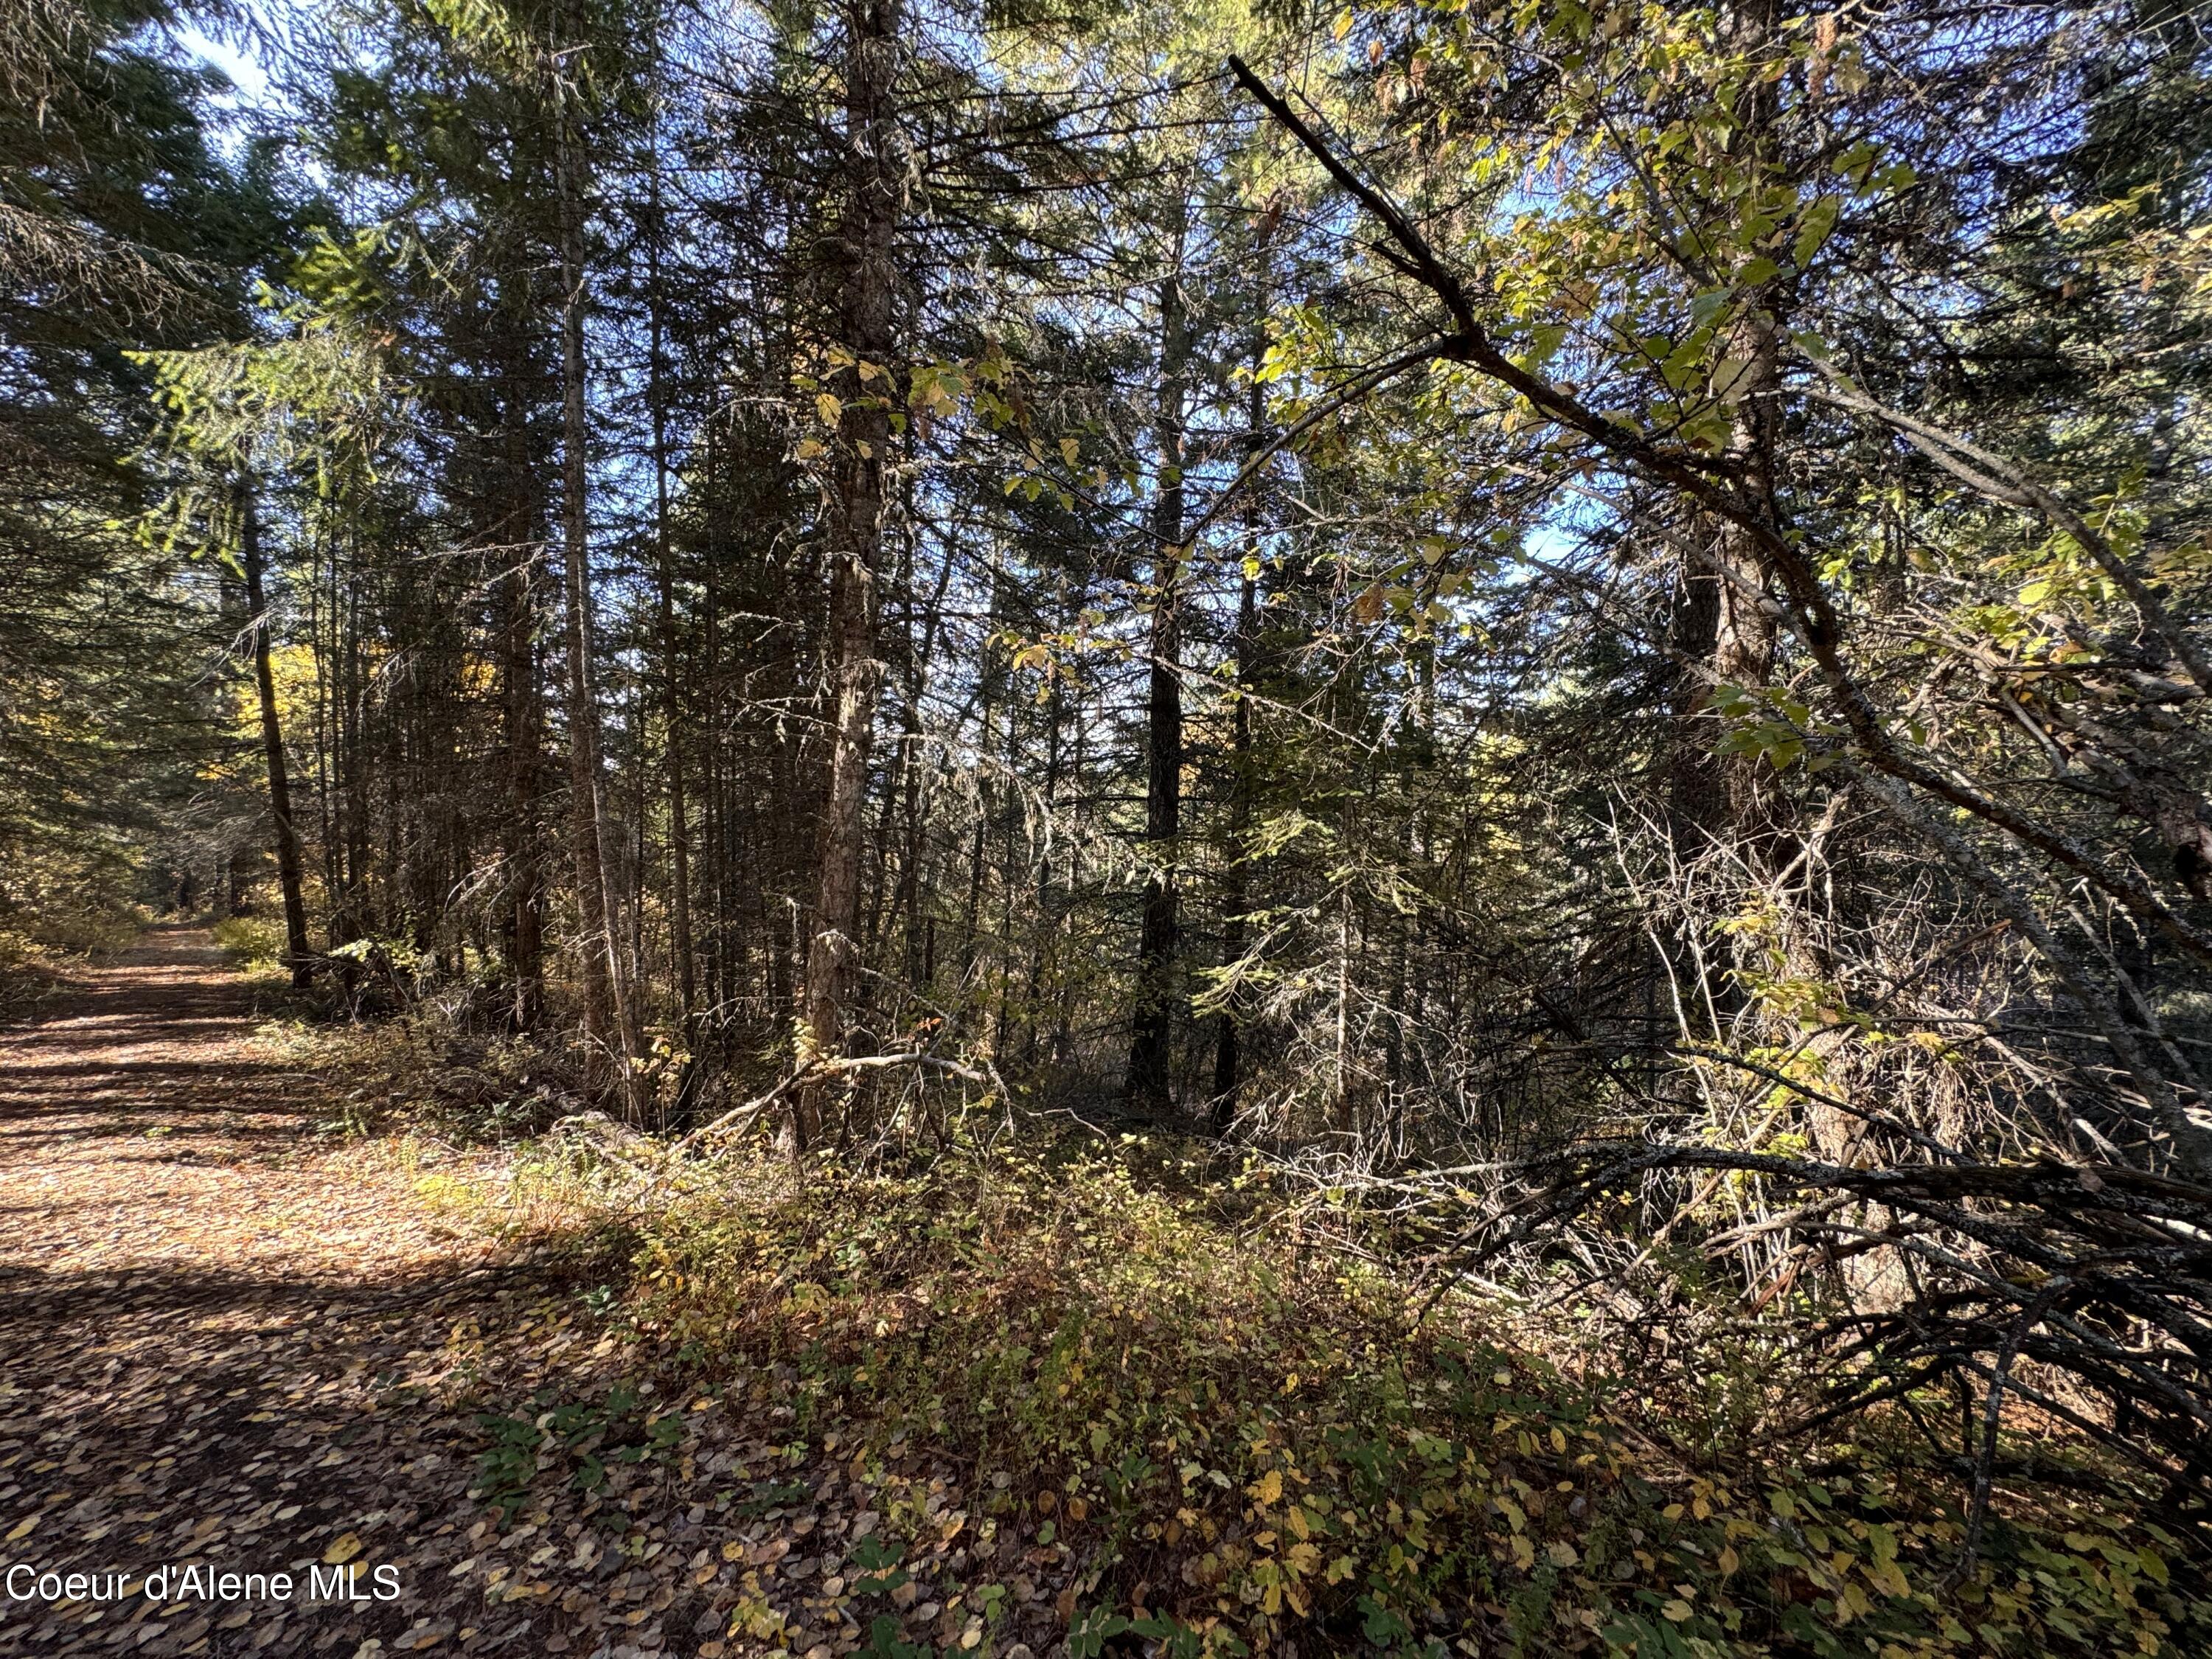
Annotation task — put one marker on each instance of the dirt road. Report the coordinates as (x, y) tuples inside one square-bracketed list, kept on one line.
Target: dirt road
[(232, 1341)]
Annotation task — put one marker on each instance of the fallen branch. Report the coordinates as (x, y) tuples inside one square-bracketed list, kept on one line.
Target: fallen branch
[(741, 1118)]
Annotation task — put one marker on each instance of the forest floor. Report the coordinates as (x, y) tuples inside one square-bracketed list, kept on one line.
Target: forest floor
[(558, 1400), (235, 1339)]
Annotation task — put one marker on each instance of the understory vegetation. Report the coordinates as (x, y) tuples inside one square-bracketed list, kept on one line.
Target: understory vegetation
[(1408, 802), (1210, 1408)]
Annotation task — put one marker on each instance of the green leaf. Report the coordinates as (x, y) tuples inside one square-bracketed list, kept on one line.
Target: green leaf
[(1812, 230)]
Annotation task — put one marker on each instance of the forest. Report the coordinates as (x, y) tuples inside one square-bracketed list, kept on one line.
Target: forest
[(1403, 814)]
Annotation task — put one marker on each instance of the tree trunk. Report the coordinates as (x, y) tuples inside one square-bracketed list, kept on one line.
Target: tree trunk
[(524, 721), (607, 1059), (1745, 631), (679, 827), (1152, 1034), (854, 531), (1227, 1057), (297, 957), (713, 828), (522, 714)]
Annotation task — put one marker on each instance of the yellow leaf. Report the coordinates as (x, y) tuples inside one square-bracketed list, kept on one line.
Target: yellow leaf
[(1070, 450), (808, 449), (342, 1549), (1675, 1612), (1270, 1487), (827, 407), (23, 1527)]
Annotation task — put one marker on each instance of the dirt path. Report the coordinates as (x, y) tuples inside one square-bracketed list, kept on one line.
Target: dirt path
[(150, 1153), (232, 1342), (242, 1346), (190, 1354)]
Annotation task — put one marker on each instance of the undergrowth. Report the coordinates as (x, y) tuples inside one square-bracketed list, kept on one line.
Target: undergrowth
[(249, 941), (1235, 1439), (418, 1074), (38, 948)]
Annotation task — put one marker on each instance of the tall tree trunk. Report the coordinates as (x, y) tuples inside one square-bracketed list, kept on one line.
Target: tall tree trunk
[(352, 917), (522, 711), (523, 730), (297, 957), (1696, 793), (855, 530), (1228, 1057), (991, 692), (523, 720), (1720, 621), (1151, 1037), (607, 1059), (715, 833), (679, 827), (1044, 923), (1745, 630)]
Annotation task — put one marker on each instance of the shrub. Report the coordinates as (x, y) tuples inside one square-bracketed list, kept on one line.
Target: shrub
[(36, 949), (26, 969), (88, 931), (250, 942), (1261, 1439)]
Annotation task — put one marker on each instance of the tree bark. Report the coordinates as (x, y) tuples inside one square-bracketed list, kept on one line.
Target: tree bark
[(523, 724), (679, 827), (1746, 632), (607, 1065), (297, 956), (1149, 1088), (866, 301), (1228, 1055), (522, 711)]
